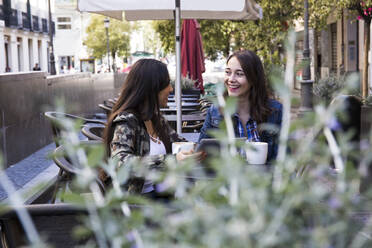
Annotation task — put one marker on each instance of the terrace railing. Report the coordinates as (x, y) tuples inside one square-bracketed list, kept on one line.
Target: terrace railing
[(26, 24), (35, 24), (44, 24)]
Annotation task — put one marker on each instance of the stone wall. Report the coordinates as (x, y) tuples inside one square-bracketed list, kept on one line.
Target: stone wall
[(24, 97)]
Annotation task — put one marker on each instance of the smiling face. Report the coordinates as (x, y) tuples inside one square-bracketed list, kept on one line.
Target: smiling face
[(163, 96), (235, 79)]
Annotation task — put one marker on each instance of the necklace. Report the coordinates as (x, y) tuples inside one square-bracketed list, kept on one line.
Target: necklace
[(156, 140)]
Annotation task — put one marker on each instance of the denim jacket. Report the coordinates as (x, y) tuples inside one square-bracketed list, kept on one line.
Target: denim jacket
[(214, 117)]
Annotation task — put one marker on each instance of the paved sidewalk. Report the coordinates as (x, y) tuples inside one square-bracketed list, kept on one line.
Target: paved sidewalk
[(31, 171), (36, 169)]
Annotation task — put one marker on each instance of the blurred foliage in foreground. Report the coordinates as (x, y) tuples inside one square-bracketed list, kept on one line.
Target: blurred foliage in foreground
[(301, 201)]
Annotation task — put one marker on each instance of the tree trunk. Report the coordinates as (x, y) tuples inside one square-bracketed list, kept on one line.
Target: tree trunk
[(367, 32), (113, 54)]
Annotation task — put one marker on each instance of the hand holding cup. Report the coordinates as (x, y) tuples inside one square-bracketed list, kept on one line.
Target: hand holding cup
[(185, 150)]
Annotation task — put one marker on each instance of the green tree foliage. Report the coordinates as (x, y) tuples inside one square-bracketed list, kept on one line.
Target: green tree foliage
[(216, 35), (222, 36), (166, 30), (266, 36), (119, 32)]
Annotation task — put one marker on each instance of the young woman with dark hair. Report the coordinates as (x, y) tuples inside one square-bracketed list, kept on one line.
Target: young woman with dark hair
[(135, 127), (245, 79)]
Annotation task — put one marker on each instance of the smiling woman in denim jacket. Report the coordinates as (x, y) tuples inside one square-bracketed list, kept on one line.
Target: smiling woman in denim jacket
[(245, 79)]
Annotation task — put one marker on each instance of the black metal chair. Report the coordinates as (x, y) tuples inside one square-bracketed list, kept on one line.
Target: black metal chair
[(55, 121), (105, 108), (348, 119), (93, 132), (54, 222), (56, 117), (69, 169)]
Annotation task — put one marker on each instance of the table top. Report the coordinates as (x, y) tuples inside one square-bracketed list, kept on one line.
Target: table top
[(184, 104), (184, 100), (191, 136), (187, 117), (186, 95), (173, 110)]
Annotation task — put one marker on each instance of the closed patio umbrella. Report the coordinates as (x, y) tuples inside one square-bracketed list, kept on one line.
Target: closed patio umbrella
[(171, 9), (192, 56)]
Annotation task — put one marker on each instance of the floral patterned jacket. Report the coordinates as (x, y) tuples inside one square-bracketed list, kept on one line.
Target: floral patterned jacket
[(131, 141)]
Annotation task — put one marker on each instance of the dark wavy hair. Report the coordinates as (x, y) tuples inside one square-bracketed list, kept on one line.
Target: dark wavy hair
[(139, 96), (259, 93)]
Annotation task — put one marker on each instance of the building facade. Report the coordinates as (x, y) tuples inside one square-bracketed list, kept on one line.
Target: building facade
[(24, 35), (70, 52), (336, 49)]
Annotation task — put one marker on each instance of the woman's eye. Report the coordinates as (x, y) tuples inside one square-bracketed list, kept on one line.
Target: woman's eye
[(227, 72), (240, 74)]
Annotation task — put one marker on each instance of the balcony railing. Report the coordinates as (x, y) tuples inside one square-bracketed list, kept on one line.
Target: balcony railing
[(44, 23), (26, 24), (35, 24), (13, 19), (1, 12)]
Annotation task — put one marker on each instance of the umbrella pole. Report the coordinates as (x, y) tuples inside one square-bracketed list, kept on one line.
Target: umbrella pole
[(178, 67)]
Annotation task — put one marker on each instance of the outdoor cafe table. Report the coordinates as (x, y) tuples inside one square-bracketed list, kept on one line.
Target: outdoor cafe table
[(186, 95), (194, 137), (185, 104), (172, 110), (190, 117), (184, 99)]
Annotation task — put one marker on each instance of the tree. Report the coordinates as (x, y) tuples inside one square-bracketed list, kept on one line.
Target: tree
[(216, 36), (223, 36), (119, 32), (165, 29)]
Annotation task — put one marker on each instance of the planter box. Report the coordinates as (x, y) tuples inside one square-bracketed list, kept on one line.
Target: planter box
[(366, 123), (191, 92), (365, 129)]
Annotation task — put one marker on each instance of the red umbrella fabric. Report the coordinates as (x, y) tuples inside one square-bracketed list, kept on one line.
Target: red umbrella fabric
[(192, 56)]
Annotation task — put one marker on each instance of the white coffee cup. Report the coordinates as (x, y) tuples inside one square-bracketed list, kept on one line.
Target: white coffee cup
[(182, 146), (256, 152)]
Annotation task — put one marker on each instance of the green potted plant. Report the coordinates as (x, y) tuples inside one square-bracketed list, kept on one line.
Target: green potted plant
[(326, 88), (187, 86)]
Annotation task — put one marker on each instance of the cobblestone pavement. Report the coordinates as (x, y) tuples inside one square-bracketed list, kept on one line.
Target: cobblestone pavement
[(27, 169)]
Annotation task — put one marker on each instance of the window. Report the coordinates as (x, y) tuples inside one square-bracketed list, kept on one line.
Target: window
[(63, 23), (64, 26), (64, 19)]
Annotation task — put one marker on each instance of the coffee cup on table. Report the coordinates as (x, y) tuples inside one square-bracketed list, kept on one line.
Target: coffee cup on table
[(256, 152), (182, 146)]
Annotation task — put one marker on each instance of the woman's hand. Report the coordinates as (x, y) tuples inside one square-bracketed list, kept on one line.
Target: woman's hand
[(182, 155)]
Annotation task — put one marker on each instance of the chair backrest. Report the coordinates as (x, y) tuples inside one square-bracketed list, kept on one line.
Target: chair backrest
[(351, 111), (54, 222), (56, 117), (67, 165), (106, 108), (93, 132)]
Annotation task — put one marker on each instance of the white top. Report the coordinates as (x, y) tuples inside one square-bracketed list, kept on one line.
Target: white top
[(156, 148)]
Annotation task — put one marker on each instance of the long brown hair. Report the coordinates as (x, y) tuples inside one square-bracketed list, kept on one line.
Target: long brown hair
[(258, 94), (139, 96)]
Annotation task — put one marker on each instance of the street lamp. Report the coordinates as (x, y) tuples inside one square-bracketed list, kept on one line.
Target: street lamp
[(306, 83), (52, 61), (107, 25)]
